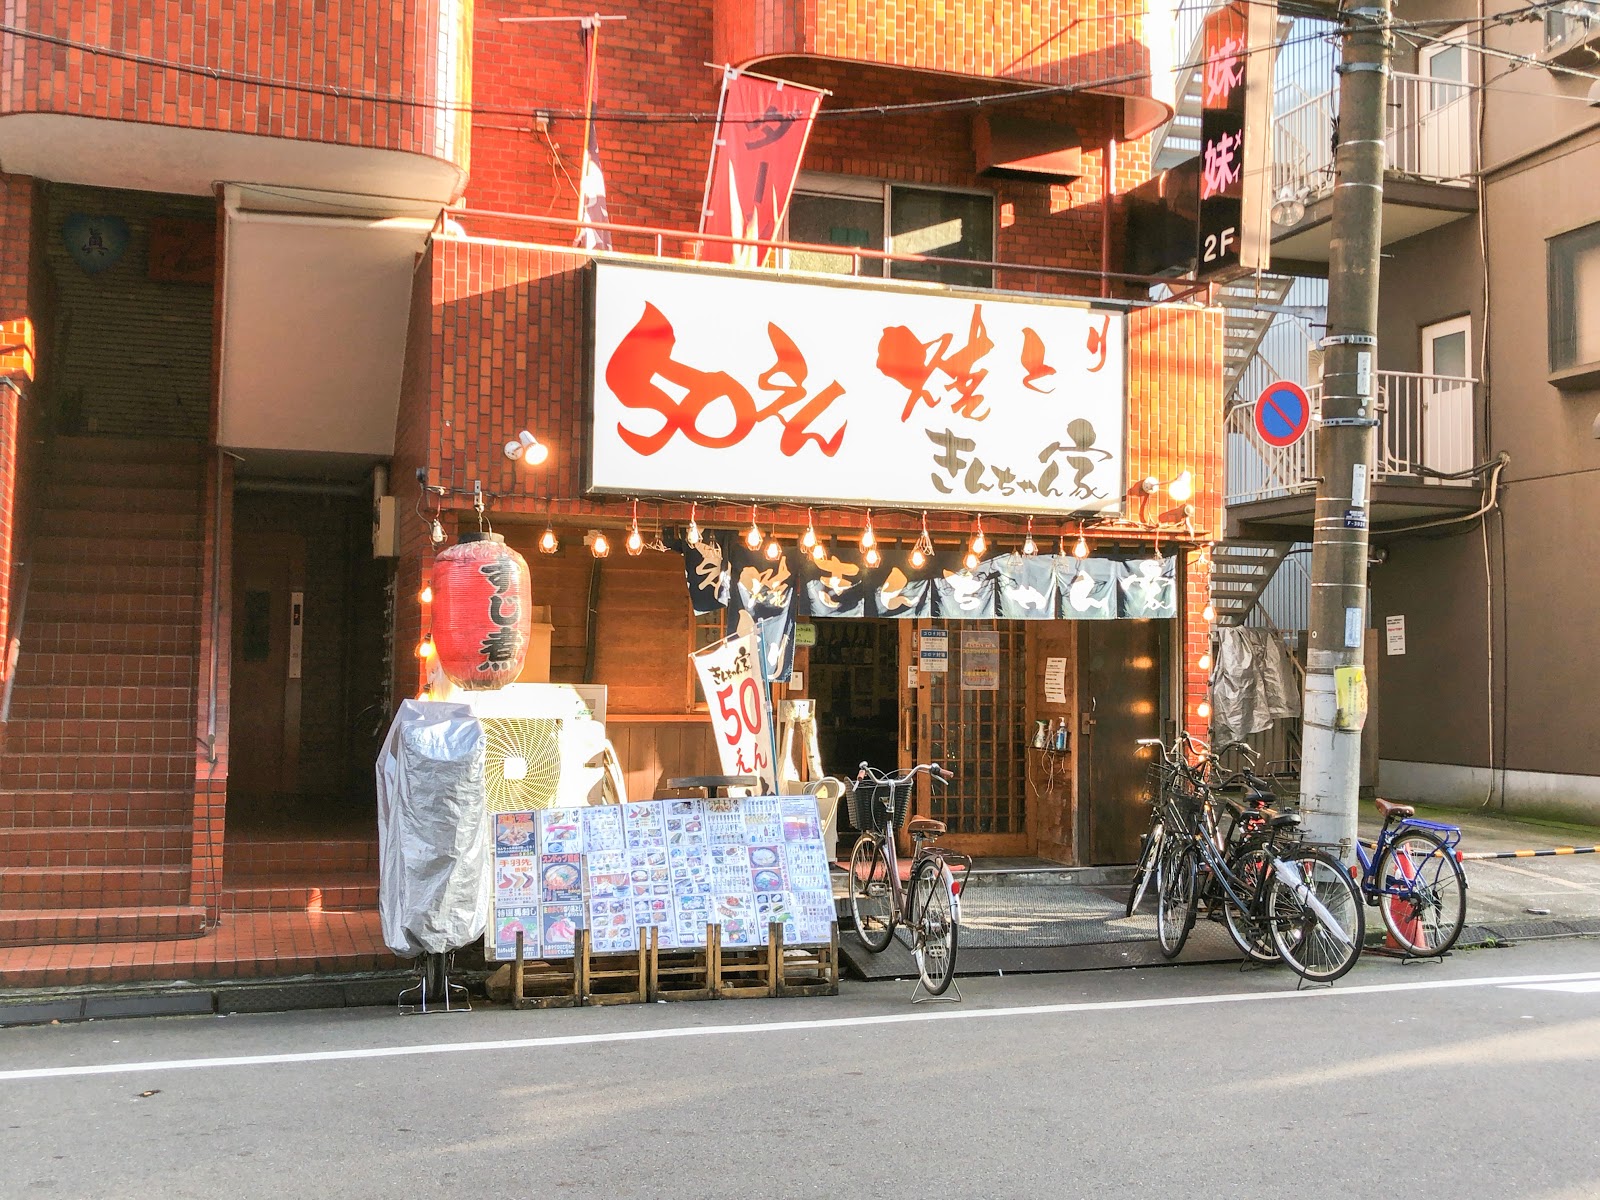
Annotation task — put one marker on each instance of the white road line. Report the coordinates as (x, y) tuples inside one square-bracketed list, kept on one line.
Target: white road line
[(696, 1031), (1577, 985)]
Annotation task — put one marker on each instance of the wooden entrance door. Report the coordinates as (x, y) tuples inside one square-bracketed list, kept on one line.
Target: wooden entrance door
[(264, 724), (1121, 702), (977, 733)]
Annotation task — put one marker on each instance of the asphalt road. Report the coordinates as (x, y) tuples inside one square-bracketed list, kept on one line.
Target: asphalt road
[(1473, 1077)]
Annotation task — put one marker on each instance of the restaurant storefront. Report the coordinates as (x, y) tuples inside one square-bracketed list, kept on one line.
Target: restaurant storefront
[(968, 525)]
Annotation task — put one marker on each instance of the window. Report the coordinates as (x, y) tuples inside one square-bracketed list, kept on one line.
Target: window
[(1574, 283), (707, 629), (837, 211)]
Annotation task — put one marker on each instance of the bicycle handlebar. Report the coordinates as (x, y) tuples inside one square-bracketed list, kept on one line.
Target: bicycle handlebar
[(870, 774)]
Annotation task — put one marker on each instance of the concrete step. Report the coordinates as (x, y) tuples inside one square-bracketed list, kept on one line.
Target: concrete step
[(101, 450), (75, 579), (254, 859), (86, 810), (98, 772), (130, 475), (104, 736), (180, 496), (106, 670), (178, 609), (36, 701), (68, 522), (304, 891), (81, 887), (97, 552), (48, 926), (79, 846), (109, 637)]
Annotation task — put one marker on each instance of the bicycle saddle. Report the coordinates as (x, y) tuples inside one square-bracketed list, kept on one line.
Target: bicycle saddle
[(925, 825), (1286, 820), (1388, 810)]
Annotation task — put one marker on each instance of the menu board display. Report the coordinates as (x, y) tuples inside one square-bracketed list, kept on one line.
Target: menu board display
[(676, 865)]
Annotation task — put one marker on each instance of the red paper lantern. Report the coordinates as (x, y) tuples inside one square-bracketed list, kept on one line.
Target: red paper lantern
[(482, 599)]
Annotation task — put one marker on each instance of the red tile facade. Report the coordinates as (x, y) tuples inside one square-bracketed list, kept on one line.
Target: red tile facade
[(254, 68)]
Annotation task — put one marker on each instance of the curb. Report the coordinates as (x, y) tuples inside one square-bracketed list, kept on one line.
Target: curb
[(202, 998)]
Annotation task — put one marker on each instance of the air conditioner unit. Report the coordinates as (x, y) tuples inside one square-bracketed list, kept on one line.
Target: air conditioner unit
[(1570, 33)]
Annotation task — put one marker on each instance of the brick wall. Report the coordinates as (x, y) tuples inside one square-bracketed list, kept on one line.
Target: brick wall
[(418, 50), (655, 172), (18, 297)]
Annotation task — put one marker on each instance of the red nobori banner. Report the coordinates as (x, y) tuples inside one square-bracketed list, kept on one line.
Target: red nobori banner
[(762, 388), (762, 128)]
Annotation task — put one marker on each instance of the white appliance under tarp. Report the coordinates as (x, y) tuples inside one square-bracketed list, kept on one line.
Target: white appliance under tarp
[(435, 881)]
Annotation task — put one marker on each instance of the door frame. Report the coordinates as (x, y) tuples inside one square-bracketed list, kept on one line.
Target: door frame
[(1435, 401)]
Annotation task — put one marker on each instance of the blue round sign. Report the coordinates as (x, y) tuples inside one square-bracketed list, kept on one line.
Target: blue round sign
[(1283, 413)]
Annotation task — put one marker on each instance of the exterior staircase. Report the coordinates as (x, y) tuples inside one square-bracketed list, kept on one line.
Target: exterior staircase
[(1240, 572), (97, 776)]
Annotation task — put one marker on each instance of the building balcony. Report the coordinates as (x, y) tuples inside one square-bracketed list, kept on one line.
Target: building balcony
[(374, 102), (1426, 446), (1430, 163), (1013, 44)]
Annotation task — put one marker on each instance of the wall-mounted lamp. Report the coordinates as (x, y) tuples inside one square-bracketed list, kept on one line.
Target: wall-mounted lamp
[(1288, 208), (528, 448), (1179, 488)]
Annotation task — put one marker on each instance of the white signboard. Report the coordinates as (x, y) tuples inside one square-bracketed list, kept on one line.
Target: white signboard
[(708, 383), (933, 650), (1395, 628), (732, 688)]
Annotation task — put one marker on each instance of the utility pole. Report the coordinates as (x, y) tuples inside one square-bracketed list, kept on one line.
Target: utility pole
[(1335, 695)]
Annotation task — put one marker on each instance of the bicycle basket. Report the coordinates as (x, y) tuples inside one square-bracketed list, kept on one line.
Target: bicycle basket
[(868, 802), (1178, 785)]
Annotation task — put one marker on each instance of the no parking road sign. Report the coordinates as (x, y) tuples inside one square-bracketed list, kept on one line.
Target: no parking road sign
[(1283, 414)]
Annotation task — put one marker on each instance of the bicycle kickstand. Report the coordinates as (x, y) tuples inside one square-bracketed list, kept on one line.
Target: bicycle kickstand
[(925, 998)]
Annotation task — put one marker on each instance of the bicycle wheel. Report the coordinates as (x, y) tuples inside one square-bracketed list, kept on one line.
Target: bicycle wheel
[(935, 946), (1315, 912), (1423, 893), (1175, 898), (1247, 930), (871, 894), (1146, 870)]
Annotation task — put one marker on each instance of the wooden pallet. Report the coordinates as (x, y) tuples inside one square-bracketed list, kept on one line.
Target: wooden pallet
[(613, 978), (806, 970), (546, 983), (688, 974)]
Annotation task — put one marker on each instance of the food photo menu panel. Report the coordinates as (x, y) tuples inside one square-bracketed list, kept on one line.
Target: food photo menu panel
[(677, 865)]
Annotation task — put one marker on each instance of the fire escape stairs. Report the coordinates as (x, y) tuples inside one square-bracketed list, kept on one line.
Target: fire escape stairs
[(1241, 568)]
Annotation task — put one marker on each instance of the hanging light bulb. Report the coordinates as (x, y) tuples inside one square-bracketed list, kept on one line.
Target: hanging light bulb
[(1202, 710), (1080, 548), (1028, 546), (1209, 613), (819, 552), (868, 538), (872, 557), (773, 550), (1204, 662), (425, 596), (923, 550), (601, 546), (1181, 488), (752, 536), (971, 561), (693, 532), (425, 648), (548, 542), (979, 542), (808, 539), (436, 533), (635, 543)]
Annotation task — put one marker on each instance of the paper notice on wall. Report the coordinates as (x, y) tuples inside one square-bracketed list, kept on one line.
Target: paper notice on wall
[(980, 661), (933, 650), (1395, 629), (1055, 681)]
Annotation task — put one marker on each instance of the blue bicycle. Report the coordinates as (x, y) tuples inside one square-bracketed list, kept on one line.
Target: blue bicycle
[(1413, 877)]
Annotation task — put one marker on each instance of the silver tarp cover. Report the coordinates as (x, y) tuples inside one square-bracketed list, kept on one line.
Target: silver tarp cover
[(433, 832), (1253, 684)]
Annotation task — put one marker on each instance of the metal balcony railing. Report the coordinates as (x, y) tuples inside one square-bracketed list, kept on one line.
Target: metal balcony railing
[(1428, 135), (1425, 425)]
